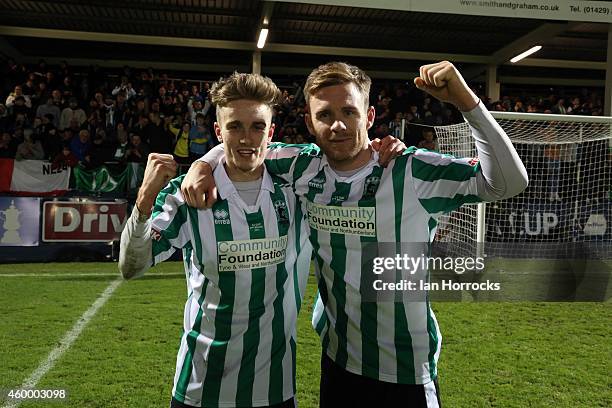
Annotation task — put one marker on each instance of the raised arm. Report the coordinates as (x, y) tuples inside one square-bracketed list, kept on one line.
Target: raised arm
[(136, 248), (497, 173), (503, 173)]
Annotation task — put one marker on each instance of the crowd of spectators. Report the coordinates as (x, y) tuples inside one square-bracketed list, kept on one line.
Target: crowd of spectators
[(90, 116), (587, 103)]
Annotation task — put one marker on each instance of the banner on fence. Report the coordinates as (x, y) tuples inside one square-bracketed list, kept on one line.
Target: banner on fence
[(33, 177)]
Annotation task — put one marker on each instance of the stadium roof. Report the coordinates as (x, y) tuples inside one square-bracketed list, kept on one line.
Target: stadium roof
[(220, 35)]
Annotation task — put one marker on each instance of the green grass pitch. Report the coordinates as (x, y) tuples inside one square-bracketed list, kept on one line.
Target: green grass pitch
[(494, 354)]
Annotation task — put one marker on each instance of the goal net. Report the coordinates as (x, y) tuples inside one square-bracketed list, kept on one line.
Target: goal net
[(568, 159)]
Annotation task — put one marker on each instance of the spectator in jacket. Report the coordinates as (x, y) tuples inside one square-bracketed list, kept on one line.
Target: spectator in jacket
[(65, 158), (138, 150), (8, 146), (200, 138), (156, 136), (18, 92), (49, 108), (72, 112), (181, 146), (29, 149), (80, 145)]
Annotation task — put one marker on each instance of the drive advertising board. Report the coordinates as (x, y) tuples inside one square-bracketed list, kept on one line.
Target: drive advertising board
[(83, 221)]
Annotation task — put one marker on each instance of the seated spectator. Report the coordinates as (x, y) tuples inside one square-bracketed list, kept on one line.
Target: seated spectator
[(518, 107), (559, 107), (79, 145), (138, 111), (288, 134), (119, 110), (428, 140), (138, 127), (67, 88), (58, 99), (66, 136), (200, 138), (49, 137), (49, 108), (99, 152), (65, 158), (414, 111), (94, 123), (72, 112), (156, 136), (28, 87), (20, 107), (121, 144), (99, 98), (8, 146), (18, 92), (197, 106), (121, 132), (138, 151), (29, 149), (395, 126), (168, 106), (577, 108), (18, 121), (381, 131), (383, 117), (18, 134), (37, 129), (4, 118), (51, 80), (41, 93), (126, 87)]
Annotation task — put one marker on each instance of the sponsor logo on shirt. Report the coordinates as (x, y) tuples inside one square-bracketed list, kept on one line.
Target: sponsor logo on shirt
[(251, 254), (342, 220), (281, 211), (370, 187), (221, 216), (155, 235), (317, 182)]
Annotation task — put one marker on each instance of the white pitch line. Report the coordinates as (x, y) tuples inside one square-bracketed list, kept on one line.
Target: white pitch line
[(66, 341), (63, 275)]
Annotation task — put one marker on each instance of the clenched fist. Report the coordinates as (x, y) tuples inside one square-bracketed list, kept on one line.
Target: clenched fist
[(161, 168), (444, 82)]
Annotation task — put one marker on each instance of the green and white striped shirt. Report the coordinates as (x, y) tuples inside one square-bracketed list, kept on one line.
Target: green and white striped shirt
[(246, 270), (394, 341), (389, 341)]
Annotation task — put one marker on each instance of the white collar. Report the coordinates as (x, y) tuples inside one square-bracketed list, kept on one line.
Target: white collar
[(366, 168), (226, 187)]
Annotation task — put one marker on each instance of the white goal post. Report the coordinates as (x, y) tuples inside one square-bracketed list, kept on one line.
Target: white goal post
[(568, 159)]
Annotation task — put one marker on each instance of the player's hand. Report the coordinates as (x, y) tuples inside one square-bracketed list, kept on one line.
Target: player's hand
[(388, 149), (161, 168), (198, 187), (444, 82)]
